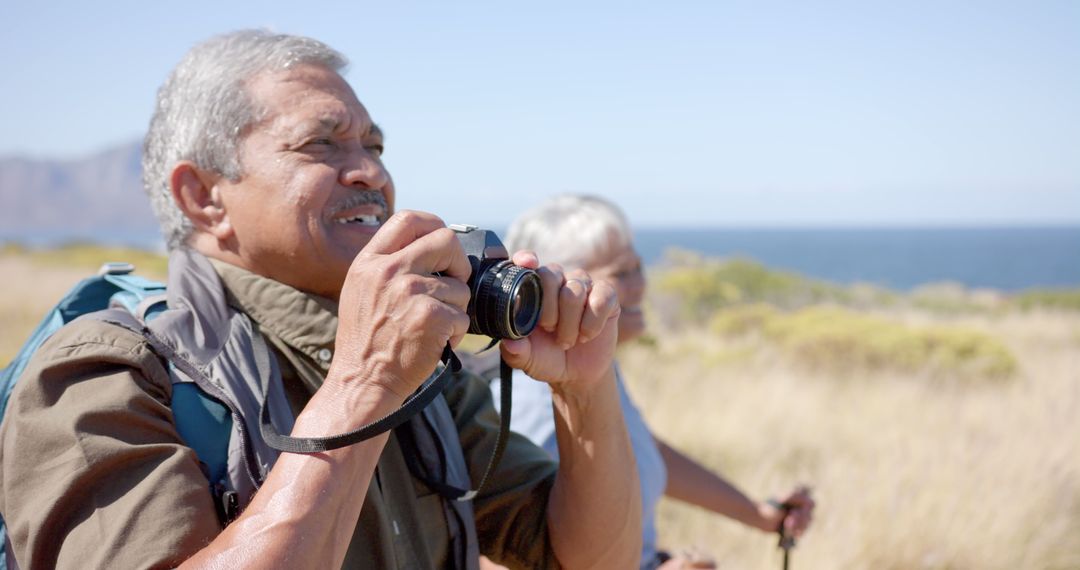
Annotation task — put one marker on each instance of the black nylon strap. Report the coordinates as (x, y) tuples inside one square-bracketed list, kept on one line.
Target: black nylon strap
[(412, 406), (451, 492), (505, 386)]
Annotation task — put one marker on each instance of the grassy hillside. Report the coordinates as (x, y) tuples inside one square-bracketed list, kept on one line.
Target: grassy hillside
[(937, 427)]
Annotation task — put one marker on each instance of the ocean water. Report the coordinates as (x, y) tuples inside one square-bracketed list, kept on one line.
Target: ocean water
[(1007, 259)]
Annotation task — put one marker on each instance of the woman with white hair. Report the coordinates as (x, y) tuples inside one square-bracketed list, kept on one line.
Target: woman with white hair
[(591, 233)]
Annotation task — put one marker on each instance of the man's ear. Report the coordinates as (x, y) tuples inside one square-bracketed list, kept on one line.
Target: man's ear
[(198, 195)]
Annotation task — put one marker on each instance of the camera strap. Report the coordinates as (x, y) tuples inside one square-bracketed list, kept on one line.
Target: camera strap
[(423, 396), (457, 494), (412, 406)]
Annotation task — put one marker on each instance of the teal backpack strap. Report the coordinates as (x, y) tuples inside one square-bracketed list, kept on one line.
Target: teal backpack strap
[(112, 286), (203, 422)]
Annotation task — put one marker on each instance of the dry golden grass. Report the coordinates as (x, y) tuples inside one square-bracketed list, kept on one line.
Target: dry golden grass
[(32, 282), (910, 470)]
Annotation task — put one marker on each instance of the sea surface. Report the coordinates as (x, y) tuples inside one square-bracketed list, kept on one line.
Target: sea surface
[(1003, 258), (1007, 259)]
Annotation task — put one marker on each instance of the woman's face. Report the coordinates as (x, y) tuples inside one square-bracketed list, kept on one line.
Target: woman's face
[(620, 265)]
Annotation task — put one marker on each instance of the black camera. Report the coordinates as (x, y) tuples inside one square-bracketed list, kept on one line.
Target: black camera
[(506, 298)]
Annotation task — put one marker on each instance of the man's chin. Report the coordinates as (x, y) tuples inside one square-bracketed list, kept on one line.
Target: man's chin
[(349, 237), (349, 242)]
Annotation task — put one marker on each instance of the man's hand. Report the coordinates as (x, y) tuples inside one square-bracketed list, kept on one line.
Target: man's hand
[(594, 509), (395, 316), (575, 338)]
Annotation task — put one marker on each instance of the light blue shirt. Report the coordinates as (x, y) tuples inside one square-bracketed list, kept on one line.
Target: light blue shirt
[(533, 417)]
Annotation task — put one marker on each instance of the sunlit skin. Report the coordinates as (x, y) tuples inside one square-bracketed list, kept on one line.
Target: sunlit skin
[(315, 148), (310, 163), (620, 265)]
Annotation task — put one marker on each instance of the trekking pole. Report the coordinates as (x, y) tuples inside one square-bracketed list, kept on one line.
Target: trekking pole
[(787, 542)]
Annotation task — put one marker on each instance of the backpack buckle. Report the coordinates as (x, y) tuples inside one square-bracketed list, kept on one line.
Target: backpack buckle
[(115, 268)]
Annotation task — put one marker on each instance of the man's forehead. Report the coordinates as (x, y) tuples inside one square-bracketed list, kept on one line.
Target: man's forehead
[(330, 124), (310, 98)]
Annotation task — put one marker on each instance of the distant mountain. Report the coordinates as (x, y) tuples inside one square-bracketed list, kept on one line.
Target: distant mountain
[(98, 198)]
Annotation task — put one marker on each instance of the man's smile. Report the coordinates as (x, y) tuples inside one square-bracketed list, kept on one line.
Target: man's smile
[(367, 209)]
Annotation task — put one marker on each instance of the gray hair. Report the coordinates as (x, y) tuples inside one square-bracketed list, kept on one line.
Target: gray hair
[(204, 110), (571, 230)]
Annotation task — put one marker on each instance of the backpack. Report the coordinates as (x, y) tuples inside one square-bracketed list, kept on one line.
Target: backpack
[(203, 422)]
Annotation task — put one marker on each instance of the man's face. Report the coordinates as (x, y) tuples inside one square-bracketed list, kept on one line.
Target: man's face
[(314, 189)]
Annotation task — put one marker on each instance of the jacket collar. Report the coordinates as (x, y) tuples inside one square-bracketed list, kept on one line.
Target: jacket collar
[(306, 322)]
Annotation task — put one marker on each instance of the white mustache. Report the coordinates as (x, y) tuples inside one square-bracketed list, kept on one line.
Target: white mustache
[(363, 198)]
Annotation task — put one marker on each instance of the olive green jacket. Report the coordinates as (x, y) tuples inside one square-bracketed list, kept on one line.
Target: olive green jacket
[(93, 473)]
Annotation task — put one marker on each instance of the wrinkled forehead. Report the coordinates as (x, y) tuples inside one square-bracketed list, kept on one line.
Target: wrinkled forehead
[(307, 98)]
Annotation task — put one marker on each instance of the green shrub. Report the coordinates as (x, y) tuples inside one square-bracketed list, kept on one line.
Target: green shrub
[(699, 291), (948, 298), (740, 320), (12, 248), (692, 288), (839, 339), (867, 295), (1067, 299), (701, 285)]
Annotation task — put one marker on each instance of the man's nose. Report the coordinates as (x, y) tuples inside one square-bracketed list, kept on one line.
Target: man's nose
[(364, 169)]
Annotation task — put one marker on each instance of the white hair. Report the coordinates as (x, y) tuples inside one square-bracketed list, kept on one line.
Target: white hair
[(203, 111), (572, 230)]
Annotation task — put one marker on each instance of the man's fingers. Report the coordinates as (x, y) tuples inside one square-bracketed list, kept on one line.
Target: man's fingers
[(525, 258), (551, 279), (438, 251), (401, 229), (460, 327), (602, 305), (572, 298), (449, 290), (516, 353)]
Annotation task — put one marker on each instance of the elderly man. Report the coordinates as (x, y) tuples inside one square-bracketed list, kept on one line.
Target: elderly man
[(291, 277)]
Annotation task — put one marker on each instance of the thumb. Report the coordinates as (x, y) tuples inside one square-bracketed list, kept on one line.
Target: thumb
[(403, 228), (516, 353)]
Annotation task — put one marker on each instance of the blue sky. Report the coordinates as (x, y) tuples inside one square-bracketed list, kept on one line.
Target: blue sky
[(687, 113)]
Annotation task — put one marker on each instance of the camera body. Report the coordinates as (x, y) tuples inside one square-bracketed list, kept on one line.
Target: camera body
[(506, 298)]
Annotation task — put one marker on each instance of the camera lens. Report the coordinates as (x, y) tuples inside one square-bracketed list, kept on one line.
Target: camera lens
[(506, 301), (525, 307)]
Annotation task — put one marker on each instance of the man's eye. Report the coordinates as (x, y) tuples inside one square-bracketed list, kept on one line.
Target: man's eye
[(376, 149), (320, 144)]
